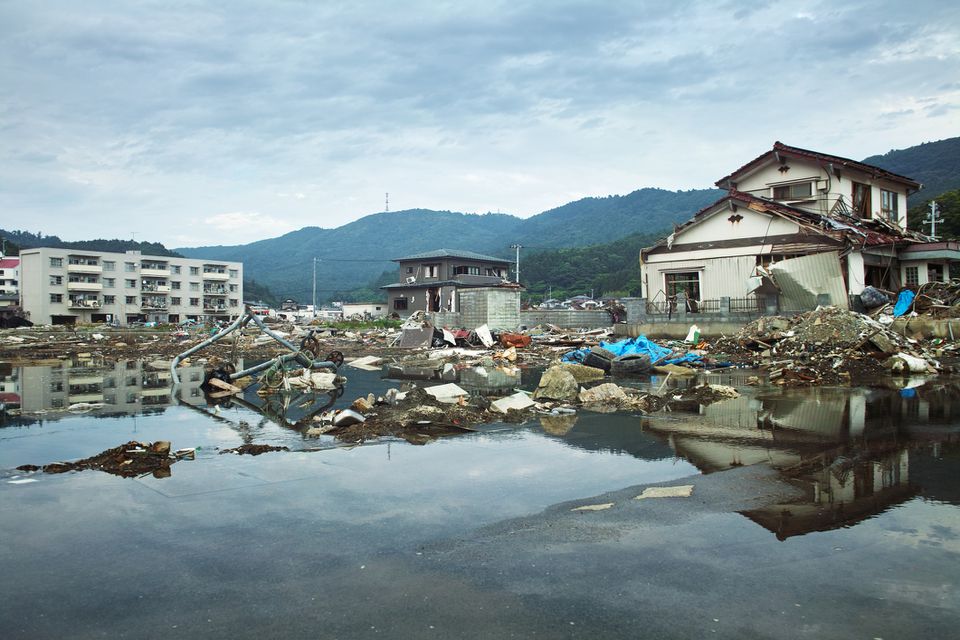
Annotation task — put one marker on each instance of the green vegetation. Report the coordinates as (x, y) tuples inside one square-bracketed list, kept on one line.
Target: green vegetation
[(607, 270), (27, 240), (948, 205), (254, 291)]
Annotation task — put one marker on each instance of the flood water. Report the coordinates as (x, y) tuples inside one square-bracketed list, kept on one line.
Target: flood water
[(474, 536)]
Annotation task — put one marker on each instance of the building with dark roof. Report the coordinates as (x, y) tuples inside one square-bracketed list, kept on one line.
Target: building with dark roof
[(430, 281)]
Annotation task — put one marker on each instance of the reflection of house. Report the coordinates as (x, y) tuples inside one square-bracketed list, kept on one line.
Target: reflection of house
[(787, 203), (431, 281)]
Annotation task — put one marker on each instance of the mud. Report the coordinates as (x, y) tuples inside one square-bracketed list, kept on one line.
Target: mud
[(253, 449), (131, 460)]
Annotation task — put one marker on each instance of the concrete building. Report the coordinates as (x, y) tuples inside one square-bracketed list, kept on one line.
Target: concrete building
[(68, 286), (364, 309), (431, 281), (9, 282)]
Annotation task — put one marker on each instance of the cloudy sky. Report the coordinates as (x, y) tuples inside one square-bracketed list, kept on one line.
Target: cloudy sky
[(195, 122)]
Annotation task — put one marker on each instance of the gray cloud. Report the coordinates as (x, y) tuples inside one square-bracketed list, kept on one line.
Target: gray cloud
[(199, 109)]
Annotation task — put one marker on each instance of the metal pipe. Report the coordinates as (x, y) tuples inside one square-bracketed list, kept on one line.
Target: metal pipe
[(206, 343), (275, 336)]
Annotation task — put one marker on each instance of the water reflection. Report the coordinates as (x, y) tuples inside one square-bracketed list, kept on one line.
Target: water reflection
[(853, 452)]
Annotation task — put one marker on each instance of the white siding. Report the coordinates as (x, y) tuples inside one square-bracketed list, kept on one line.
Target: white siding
[(719, 277), (752, 225)]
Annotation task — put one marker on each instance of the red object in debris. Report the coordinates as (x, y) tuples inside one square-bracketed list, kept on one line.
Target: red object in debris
[(514, 340)]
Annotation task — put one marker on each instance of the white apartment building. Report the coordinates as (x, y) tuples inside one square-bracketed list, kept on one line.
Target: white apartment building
[(67, 286)]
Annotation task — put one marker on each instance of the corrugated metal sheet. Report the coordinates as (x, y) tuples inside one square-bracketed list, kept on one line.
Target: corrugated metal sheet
[(719, 277), (802, 279)]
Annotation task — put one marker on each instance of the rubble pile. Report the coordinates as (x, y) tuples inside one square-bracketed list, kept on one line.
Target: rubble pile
[(131, 460), (827, 346), (938, 299)]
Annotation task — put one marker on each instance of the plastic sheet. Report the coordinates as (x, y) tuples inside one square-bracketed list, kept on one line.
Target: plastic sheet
[(904, 302), (640, 344)]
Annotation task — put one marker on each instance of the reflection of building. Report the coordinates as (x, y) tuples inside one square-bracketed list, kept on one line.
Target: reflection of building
[(127, 387), (9, 281), (841, 495), (67, 286)]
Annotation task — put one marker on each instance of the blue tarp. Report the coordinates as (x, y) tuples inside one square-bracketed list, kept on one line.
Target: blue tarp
[(640, 344), (575, 356), (904, 300)]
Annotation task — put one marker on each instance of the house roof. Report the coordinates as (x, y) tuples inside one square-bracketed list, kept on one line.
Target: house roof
[(780, 148), (455, 253), (455, 283), (857, 231), (9, 263)]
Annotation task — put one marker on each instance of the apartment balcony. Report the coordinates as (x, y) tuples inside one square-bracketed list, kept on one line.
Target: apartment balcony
[(85, 397), (219, 276), (84, 268), (214, 291), (83, 303), (84, 380), (153, 305), (214, 309), (84, 286), (155, 288), (154, 272)]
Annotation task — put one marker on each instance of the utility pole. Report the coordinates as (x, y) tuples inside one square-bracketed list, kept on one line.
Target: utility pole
[(388, 203), (314, 287), (517, 247), (932, 219)]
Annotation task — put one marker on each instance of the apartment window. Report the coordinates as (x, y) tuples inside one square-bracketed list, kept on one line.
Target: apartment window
[(861, 199), (912, 276), (175, 285), (110, 283), (233, 302), (409, 269), (130, 267), (432, 270), (471, 271), (934, 272), (234, 273), (194, 302), (175, 268), (888, 205), (194, 286), (194, 271), (174, 301), (400, 304), (56, 280), (687, 282), (796, 191), (109, 265), (131, 299), (131, 284), (56, 262), (495, 272), (56, 387), (109, 299), (56, 297), (233, 288)]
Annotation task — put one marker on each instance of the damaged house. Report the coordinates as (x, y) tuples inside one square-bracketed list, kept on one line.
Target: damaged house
[(456, 289), (796, 228)]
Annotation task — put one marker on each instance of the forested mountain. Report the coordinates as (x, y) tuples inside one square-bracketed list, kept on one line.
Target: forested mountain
[(935, 164), (352, 256), (27, 240)]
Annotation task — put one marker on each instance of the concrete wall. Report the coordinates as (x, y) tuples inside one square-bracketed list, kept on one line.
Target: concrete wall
[(566, 318), (497, 308)]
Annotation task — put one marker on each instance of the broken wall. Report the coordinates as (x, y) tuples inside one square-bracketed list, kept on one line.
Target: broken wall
[(498, 308)]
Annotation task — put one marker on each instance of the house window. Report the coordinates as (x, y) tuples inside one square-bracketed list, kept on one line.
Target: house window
[(495, 272), (400, 304), (687, 282), (56, 279), (888, 205), (109, 299), (472, 271), (934, 272), (432, 270), (130, 299), (56, 297), (861, 199), (912, 276), (56, 262), (109, 265), (795, 191), (409, 269), (194, 271)]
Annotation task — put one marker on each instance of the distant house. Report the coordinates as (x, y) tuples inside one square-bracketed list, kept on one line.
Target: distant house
[(364, 309), (9, 282), (431, 281), (846, 220)]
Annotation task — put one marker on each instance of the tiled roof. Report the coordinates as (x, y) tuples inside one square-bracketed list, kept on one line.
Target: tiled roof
[(723, 182), (9, 263), (455, 253)]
